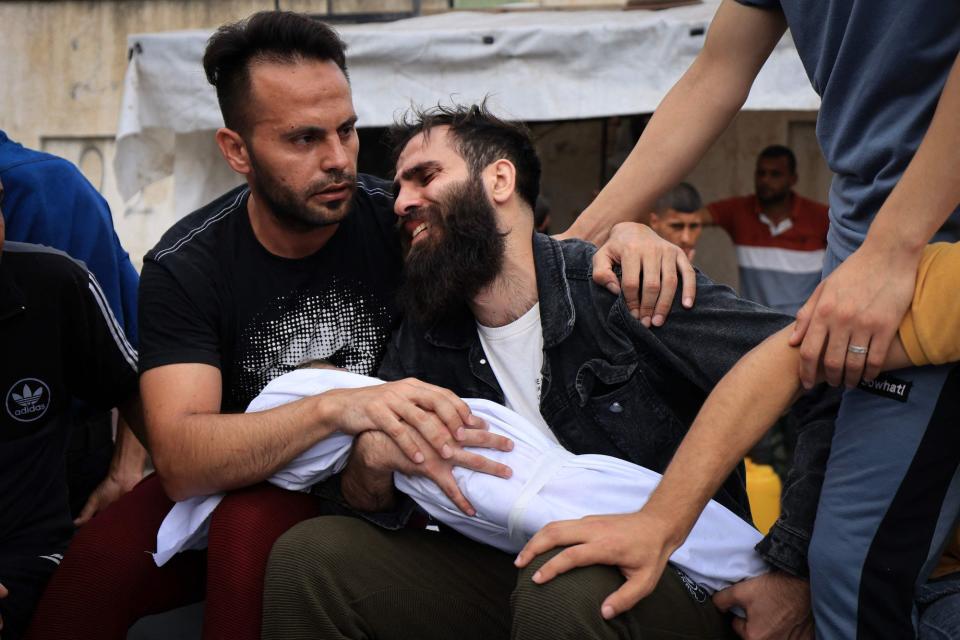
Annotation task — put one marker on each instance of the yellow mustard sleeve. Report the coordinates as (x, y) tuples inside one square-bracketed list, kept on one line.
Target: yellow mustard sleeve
[(930, 331)]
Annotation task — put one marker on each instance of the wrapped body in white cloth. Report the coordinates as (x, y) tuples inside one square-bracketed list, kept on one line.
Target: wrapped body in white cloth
[(548, 483)]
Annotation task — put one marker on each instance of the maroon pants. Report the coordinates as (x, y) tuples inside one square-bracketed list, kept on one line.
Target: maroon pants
[(108, 579)]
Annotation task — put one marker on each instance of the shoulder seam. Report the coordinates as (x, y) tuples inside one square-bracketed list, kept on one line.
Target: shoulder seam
[(193, 233), (13, 246), (116, 331), (373, 191)]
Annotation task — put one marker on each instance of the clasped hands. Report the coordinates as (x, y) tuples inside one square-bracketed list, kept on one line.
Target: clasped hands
[(415, 428)]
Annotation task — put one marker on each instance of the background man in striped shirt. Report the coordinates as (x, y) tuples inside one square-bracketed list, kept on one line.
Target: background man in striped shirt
[(780, 236)]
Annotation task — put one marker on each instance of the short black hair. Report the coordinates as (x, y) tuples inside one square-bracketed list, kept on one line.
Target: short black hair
[(683, 198), (267, 36), (481, 138), (780, 151)]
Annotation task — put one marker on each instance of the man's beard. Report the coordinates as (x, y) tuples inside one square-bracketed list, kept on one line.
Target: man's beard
[(294, 211), (463, 253)]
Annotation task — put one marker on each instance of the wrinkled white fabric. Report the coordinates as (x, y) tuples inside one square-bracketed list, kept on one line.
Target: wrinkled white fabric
[(548, 484)]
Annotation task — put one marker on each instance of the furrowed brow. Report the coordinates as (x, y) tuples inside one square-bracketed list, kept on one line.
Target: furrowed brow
[(309, 130), (416, 172)]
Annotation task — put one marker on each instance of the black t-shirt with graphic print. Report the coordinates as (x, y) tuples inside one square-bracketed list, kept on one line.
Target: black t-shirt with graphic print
[(58, 341), (211, 293)]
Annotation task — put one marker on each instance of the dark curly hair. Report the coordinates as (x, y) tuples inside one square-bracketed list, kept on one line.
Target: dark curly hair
[(267, 36), (480, 137)]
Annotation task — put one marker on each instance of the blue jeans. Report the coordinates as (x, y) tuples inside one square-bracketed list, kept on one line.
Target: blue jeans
[(939, 604)]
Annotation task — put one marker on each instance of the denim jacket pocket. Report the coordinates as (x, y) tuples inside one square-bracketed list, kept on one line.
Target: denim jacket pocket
[(619, 400)]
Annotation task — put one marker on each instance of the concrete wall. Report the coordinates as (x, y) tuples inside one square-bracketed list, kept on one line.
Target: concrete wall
[(63, 62)]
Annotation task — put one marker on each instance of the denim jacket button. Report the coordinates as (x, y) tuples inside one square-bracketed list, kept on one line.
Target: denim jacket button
[(616, 407), (483, 361)]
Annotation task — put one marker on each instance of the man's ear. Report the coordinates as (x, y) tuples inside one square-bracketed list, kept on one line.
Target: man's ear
[(793, 180), (501, 180), (234, 150), (654, 220)]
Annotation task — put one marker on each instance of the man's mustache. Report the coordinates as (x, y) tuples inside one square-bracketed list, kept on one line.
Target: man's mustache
[(336, 176)]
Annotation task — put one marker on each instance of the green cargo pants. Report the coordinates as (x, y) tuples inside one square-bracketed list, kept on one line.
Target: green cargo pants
[(337, 577)]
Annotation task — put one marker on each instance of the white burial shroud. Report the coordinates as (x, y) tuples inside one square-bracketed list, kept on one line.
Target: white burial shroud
[(548, 484)]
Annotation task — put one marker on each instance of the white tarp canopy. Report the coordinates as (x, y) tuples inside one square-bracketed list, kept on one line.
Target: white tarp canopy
[(536, 66)]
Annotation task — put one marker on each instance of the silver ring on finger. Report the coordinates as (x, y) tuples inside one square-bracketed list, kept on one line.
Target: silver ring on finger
[(857, 349)]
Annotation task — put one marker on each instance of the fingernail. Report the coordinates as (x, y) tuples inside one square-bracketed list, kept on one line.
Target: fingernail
[(471, 512), (613, 288), (606, 612), (461, 434), (516, 561), (688, 302), (446, 451), (645, 321), (658, 320), (635, 313), (537, 577), (418, 457)]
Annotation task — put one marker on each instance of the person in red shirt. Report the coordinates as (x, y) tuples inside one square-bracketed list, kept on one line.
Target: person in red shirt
[(780, 236)]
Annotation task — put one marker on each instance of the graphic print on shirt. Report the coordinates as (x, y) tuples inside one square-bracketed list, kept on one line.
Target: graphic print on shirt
[(342, 323), (28, 400)]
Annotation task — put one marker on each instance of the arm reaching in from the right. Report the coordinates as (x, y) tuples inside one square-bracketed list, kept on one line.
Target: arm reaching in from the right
[(691, 117), (741, 408), (688, 121)]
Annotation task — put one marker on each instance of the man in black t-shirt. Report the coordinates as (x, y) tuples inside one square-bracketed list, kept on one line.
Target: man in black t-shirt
[(58, 340)]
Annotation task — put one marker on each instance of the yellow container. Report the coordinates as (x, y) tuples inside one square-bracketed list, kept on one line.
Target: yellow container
[(763, 490)]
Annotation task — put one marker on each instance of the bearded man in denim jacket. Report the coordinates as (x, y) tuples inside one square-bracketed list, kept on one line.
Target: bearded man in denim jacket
[(495, 311)]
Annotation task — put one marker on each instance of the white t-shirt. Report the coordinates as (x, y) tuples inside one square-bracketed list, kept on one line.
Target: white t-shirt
[(515, 352)]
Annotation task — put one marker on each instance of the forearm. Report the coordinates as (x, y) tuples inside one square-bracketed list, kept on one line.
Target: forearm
[(738, 412), (367, 486), (742, 407), (206, 453), (691, 117), (129, 457), (929, 190)]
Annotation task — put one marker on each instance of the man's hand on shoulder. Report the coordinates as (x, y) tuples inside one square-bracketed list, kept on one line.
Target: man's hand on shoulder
[(641, 253), (777, 606)]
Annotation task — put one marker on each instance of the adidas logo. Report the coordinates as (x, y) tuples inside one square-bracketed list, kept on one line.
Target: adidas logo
[(28, 400)]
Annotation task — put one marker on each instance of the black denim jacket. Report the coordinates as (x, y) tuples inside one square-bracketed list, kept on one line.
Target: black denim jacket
[(610, 385)]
